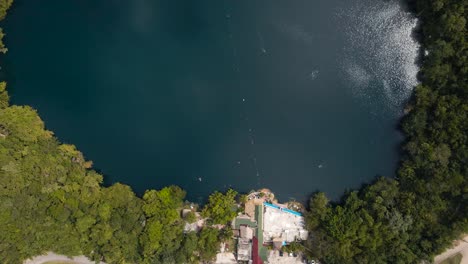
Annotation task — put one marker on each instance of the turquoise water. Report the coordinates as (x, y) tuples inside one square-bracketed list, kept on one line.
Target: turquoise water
[(296, 96)]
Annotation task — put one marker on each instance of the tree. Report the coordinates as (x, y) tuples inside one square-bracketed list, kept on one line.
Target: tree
[(4, 6), (191, 217), (188, 252), (221, 207), (4, 98), (318, 209), (51, 199), (163, 229), (208, 243)]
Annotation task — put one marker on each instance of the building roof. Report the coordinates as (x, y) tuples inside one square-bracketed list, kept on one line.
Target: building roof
[(282, 224), (240, 220), (259, 218), (246, 232), (262, 251), (255, 252), (244, 249)]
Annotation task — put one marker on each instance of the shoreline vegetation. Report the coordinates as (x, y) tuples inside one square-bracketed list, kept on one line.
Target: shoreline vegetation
[(51, 199)]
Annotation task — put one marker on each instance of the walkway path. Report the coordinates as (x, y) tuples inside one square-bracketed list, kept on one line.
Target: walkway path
[(51, 256), (460, 246)]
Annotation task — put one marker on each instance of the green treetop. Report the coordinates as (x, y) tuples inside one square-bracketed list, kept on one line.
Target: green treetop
[(221, 207)]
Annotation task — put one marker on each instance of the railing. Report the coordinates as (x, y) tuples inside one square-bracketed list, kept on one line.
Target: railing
[(282, 209)]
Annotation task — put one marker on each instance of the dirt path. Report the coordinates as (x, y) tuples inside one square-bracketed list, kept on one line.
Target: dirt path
[(460, 246), (51, 256)]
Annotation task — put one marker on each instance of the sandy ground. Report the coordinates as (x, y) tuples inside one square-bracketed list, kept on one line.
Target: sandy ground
[(460, 246), (51, 256)]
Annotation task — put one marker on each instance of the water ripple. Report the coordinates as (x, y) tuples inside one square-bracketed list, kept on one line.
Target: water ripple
[(380, 56)]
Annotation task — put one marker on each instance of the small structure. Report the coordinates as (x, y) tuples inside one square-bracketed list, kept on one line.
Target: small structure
[(259, 216), (244, 249), (256, 259), (246, 232), (266, 223), (284, 224), (243, 228), (243, 220), (278, 243)]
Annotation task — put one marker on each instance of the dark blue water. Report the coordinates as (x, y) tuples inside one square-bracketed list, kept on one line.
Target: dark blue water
[(295, 96)]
